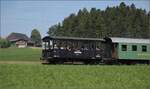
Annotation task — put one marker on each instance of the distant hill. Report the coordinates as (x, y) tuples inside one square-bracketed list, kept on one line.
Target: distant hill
[(119, 21)]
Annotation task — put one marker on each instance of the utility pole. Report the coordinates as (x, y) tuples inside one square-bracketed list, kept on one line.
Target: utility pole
[(0, 28), (0, 32), (0, 20)]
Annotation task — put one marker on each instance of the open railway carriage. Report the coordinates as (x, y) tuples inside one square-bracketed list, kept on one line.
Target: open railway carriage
[(72, 49), (95, 51)]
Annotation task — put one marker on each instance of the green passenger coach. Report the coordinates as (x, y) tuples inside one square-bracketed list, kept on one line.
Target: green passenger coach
[(129, 49)]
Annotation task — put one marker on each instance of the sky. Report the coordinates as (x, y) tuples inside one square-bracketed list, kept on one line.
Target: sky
[(26, 15)]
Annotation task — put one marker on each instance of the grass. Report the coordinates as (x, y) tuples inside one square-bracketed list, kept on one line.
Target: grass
[(37, 76), (21, 69), (20, 54)]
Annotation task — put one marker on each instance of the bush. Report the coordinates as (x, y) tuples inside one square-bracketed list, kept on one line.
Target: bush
[(4, 43)]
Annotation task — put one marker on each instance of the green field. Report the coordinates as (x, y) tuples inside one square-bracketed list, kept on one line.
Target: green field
[(21, 69), (20, 54), (37, 76)]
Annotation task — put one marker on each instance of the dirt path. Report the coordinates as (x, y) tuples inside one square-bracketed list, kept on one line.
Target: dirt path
[(20, 62)]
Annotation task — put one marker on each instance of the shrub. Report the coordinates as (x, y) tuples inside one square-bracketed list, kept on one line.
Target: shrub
[(4, 43)]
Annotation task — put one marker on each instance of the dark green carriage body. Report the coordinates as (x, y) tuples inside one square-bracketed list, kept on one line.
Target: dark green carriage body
[(132, 55), (130, 49)]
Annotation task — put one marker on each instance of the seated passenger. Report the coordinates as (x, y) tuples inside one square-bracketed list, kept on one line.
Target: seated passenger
[(61, 47), (97, 48), (85, 48), (55, 46), (68, 48)]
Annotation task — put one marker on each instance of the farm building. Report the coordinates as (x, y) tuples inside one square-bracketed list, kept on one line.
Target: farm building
[(20, 40)]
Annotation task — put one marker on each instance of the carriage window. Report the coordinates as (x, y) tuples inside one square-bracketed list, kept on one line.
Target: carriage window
[(144, 48), (50, 44), (134, 48), (124, 47), (44, 45)]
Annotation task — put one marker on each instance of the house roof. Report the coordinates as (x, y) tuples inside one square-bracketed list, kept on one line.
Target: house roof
[(17, 36), (129, 40)]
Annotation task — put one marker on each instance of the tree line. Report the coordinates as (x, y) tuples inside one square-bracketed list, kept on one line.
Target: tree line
[(118, 21)]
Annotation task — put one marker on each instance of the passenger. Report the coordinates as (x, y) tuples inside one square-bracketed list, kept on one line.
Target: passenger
[(55, 46), (85, 48), (97, 48), (82, 48), (58, 46), (61, 47), (69, 48)]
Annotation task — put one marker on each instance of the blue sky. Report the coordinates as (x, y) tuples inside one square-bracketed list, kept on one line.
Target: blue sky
[(23, 16)]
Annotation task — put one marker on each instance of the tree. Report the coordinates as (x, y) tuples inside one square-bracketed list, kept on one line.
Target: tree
[(119, 21), (36, 37), (4, 43), (52, 30), (81, 27)]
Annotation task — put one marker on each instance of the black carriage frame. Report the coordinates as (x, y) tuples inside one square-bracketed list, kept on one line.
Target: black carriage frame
[(72, 49)]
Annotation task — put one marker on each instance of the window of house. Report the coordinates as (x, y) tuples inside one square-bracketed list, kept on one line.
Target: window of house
[(134, 48), (144, 48), (124, 47)]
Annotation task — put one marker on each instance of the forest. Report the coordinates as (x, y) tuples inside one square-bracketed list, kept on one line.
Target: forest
[(118, 21)]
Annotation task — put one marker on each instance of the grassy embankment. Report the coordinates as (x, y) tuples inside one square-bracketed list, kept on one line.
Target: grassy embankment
[(20, 54)]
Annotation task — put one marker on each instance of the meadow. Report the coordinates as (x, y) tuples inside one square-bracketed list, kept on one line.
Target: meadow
[(34, 75), (37, 76), (20, 54)]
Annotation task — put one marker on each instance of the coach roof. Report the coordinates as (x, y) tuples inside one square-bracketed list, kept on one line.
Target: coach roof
[(72, 38), (129, 40)]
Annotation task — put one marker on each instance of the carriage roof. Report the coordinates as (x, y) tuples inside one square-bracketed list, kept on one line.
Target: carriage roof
[(72, 38), (129, 40), (113, 39)]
